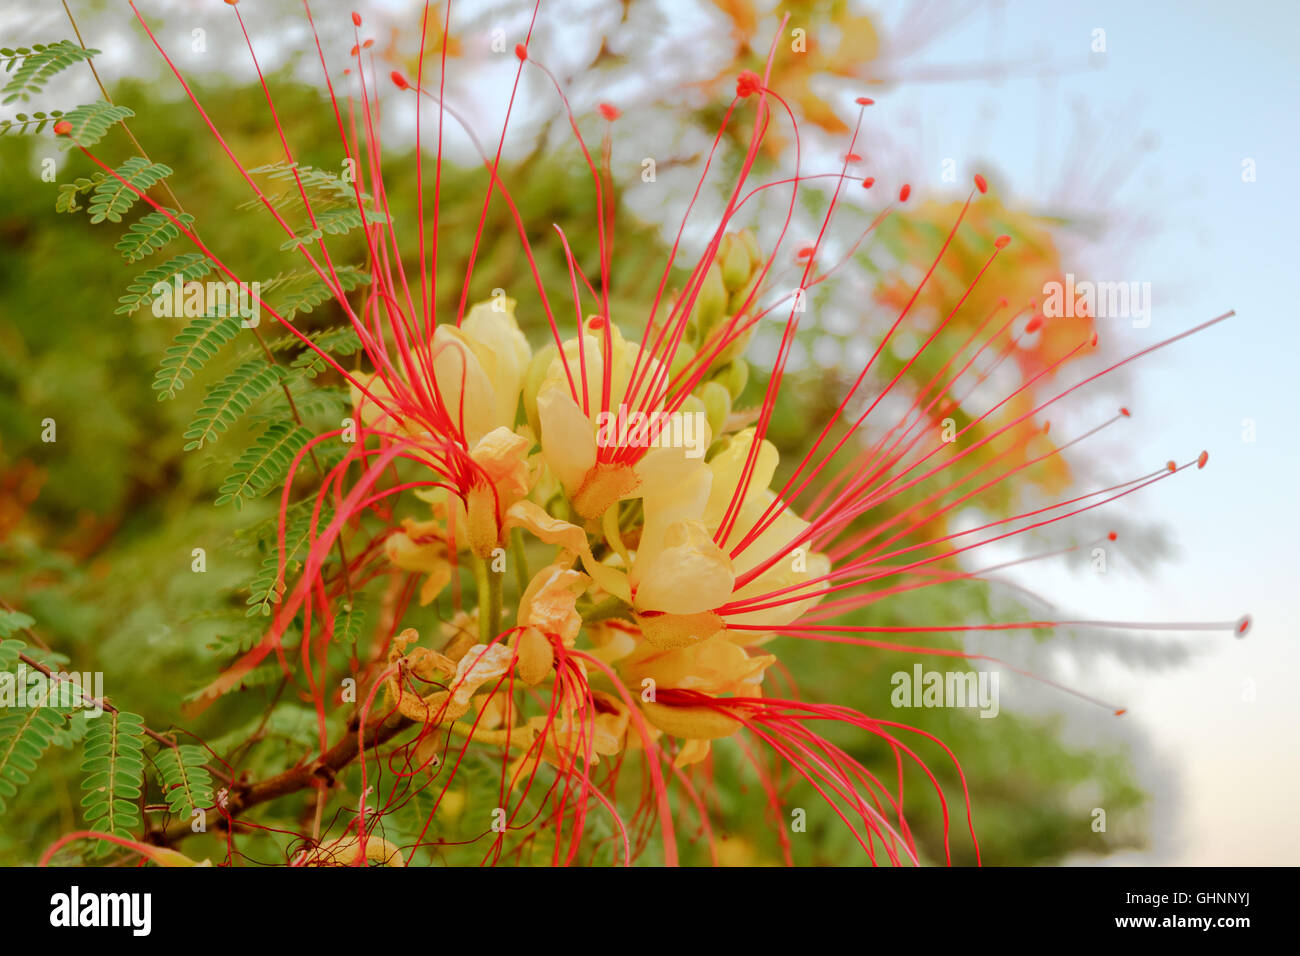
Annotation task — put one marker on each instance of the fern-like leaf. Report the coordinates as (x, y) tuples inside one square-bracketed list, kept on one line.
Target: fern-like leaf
[(229, 399), (333, 222), (188, 265), (90, 123), (115, 196), (301, 292), (194, 346), (36, 123), (337, 342), (113, 766), (187, 785), (264, 464), (25, 734), (150, 234), (32, 67)]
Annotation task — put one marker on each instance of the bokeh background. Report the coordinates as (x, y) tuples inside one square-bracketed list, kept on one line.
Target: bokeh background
[(1128, 158)]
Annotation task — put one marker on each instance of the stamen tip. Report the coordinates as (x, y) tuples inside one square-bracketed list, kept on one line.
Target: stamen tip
[(981, 183), (1125, 412), (521, 51), (747, 84), (1243, 626), (1171, 465), (1112, 536), (399, 81), (1201, 459), (904, 192), (62, 128), (609, 111), (1002, 242), (864, 101), (1121, 712), (356, 17), (868, 182)]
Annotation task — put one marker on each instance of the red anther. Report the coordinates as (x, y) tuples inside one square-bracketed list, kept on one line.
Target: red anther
[(1112, 536), (399, 81), (368, 44), (1094, 340), (1047, 427), (62, 128), (904, 192), (1033, 325), (609, 111), (852, 158), (1201, 459), (806, 252), (981, 183), (1243, 625), (356, 19), (1172, 466), (1121, 712), (748, 83), (521, 51), (355, 51), (868, 182), (1125, 412), (1002, 242), (232, 2), (1003, 302), (864, 101)]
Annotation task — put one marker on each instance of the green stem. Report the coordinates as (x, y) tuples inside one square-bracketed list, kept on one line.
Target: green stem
[(489, 600)]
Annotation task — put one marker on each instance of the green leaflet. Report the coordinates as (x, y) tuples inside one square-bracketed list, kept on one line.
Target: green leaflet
[(194, 346), (264, 464), (187, 785), (30, 68), (91, 123), (113, 768), (229, 399), (150, 233), (116, 194)]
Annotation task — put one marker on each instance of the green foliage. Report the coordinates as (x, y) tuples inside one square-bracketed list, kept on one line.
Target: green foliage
[(332, 222), (35, 123), (90, 123), (68, 192), (291, 293), (229, 399), (187, 785), (116, 194), (150, 233), (30, 68), (25, 734), (265, 463), (114, 767), (188, 265), (194, 346), (336, 342)]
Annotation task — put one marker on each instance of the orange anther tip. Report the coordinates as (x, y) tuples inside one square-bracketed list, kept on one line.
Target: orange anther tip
[(521, 51), (1202, 458), (368, 44), (1002, 242), (805, 253), (62, 128), (609, 111), (1243, 626), (864, 101), (852, 158), (1094, 340), (981, 183), (904, 192), (1112, 536), (356, 19), (1121, 712), (1033, 325), (1125, 412), (399, 81), (1171, 465), (868, 182)]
